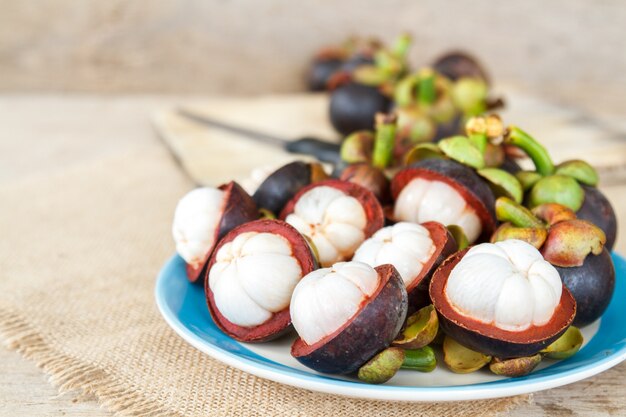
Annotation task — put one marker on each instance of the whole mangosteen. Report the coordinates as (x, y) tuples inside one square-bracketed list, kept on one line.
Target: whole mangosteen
[(447, 192), (251, 276), (346, 314), (353, 107), (205, 215), (336, 215), (502, 299)]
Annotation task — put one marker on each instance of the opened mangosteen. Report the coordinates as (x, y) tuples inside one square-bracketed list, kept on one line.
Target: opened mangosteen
[(205, 215), (336, 215), (368, 177), (346, 314), (502, 299), (447, 192), (251, 277), (457, 64), (353, 106), (281, 185), (574, 246), (414, 250)]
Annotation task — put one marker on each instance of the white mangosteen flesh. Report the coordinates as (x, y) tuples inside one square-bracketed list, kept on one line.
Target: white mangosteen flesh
[(407, 246), (507, 284), (253, 277), (196, 220), (333, 220), (423, 200), (327, 298)]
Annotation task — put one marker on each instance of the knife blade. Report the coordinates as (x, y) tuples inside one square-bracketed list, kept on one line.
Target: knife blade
[(322, 150)]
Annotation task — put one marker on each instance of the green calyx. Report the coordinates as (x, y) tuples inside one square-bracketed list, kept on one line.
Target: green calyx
[(581, 171), (382, 367), (421, 152), (420, 330), (461, 149), (535, 151), (384, 141), (527, 179), (357, 147), (508, 210), (461, 359), (535, 236), (414, 125), (422, 360), (470, 95), (559, 189), (502, 183), (515, 367), (371, 75), (565, 346)]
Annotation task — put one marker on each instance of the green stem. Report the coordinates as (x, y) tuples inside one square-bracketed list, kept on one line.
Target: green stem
[(508, 210), (401, 45), (422, 359), (536, 152), (384, 141), (427, 93)]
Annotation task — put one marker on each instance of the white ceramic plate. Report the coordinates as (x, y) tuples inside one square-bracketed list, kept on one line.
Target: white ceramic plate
[(184, 308)]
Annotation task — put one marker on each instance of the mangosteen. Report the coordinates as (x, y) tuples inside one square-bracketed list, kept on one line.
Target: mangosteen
[(598, 210), (346, 314), (280, 186), (447, 192), (205, 215), (414, 250), (502, 299), (369, 177), (458, 64), (592, 285), (336, 215), (354, 105), (323, 67), (251, 277)]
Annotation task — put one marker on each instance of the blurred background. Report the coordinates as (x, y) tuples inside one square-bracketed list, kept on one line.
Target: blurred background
[(569, 51)]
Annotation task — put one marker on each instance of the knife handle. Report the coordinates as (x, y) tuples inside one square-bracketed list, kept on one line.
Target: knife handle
[(322, 150)]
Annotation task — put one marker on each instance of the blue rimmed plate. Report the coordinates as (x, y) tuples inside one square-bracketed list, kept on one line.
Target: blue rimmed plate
[(183, 307)]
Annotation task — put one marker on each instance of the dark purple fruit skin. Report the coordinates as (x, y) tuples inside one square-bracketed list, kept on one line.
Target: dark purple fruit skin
[(592, 285), (356, 61), (282, 185), (457, 64), (353, 107), (509, 165), (467, 178), (320, 72), (372, 330), (597, 209)]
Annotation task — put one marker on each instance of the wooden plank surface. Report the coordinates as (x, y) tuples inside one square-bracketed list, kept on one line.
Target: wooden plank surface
[(102, 125)]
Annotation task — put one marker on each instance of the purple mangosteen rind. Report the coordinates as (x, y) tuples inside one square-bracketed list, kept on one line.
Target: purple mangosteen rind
[(445, 245), (592, 284), (280, 323), (283, 184), (371, 330), (598, 210), (239, 208), (488, 339), (474, 190), (353, 107)]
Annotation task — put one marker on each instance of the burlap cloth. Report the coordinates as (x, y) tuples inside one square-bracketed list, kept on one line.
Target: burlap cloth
[(79, 251)]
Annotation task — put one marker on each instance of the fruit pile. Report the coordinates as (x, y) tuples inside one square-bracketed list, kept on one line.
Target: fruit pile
[(365, 77), (447, 246)]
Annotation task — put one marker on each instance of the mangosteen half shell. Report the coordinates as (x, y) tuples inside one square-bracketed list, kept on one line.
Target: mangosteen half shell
[(281, 185), (447, 192), (414, 250), (502, 299), (336, 215), (598, 210), (363, 311), (251, 277), (203, 216), (592, 285)]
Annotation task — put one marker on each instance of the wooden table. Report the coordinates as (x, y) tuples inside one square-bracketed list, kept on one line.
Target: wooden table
[(102, 124)]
